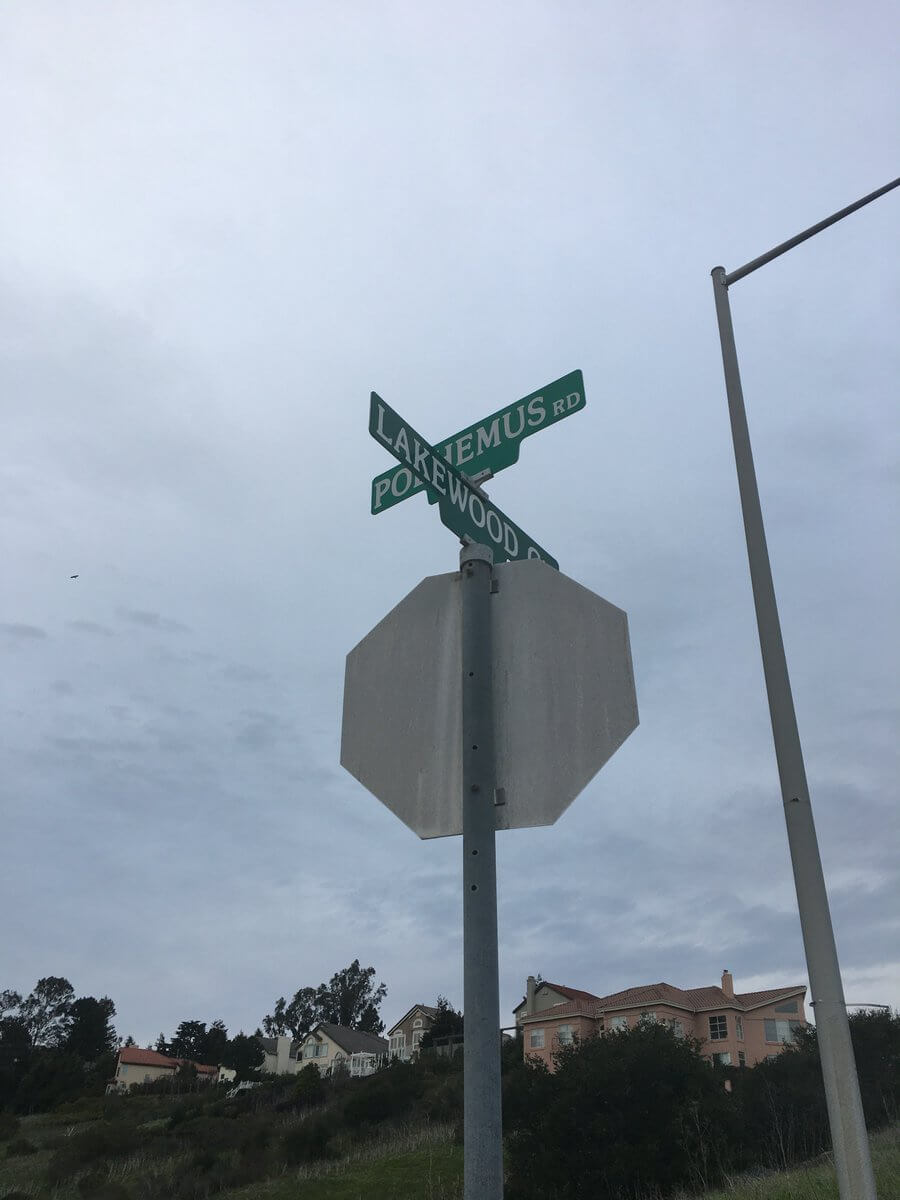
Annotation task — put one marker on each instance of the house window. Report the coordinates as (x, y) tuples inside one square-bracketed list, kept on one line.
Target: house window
[(781, 1031), (676, 1026), (650, 1017), (618, 1022), (564, 1035), (322, 1050), (723, 1059), (718, 1028), (786, 1006), (739, 1028), (536, 1039), (417, 1023), (416, 1037), (742, 1059), (309, 1051)]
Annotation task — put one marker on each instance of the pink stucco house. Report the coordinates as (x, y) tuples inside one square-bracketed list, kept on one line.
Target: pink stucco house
[(735, 1028)]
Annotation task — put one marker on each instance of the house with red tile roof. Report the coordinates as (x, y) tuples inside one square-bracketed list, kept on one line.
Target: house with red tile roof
[(135, 1066), (734, 1028)]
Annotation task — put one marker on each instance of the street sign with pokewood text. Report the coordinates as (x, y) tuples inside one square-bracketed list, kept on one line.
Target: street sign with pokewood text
[(464, 507)]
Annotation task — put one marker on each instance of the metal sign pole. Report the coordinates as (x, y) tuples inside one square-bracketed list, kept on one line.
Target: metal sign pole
[(852, 1159), (482, 1127)]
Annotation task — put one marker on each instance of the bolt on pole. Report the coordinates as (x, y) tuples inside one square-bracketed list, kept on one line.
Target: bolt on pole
[(850, 1142), (482, 1126)]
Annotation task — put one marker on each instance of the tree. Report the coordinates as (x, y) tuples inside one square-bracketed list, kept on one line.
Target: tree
[(351, 998), (245, 1056), (189, 1040), (52, 1078), (447, 1023), (195, 1042), (214, 1044), (9, 1002), (53, 1047), (15, 1056), (46, 1012), (90, 1032), (295, 1019)]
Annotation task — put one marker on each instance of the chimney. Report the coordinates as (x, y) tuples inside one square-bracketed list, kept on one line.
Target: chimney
[(529, 996), (728, 984)]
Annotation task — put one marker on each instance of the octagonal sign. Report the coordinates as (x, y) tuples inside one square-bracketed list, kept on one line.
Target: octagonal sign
[(564, 699)]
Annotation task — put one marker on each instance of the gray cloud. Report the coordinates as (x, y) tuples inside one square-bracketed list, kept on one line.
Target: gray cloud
[(22, 632), (152, 620), (91, 627), (237, 673)]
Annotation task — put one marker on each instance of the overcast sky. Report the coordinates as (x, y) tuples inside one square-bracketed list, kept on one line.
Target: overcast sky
[(222, 225)]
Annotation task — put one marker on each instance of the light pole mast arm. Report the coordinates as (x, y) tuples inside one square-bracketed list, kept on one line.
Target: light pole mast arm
[(777, 251)]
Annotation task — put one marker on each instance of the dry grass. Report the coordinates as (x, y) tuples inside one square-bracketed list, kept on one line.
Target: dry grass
[(421, 1145), (817, 1181)]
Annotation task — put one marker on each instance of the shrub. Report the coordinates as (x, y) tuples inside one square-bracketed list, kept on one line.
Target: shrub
[(96, 1186), (310, 1086), (19, 1147), (876, 1046), (309, 1141), (86, 1108), (782, 1107), (9, 1126), (206, 1133), (389, 1094), (99, 1142), (630, 1114), (444, 1102), (254, 1139)]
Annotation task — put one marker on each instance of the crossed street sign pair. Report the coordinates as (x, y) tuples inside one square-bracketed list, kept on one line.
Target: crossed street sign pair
[(484, 449)]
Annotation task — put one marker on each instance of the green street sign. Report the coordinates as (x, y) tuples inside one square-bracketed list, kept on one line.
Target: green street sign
[(469, 514), (491, 444)]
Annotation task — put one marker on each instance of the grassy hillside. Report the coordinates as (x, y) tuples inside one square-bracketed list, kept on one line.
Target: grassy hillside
[(817, 1181), (392, 1134), (395, 1134), (432, 1172), (406, 1162)]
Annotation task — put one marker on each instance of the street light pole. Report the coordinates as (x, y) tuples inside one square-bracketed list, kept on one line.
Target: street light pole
[(852, 1159)]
